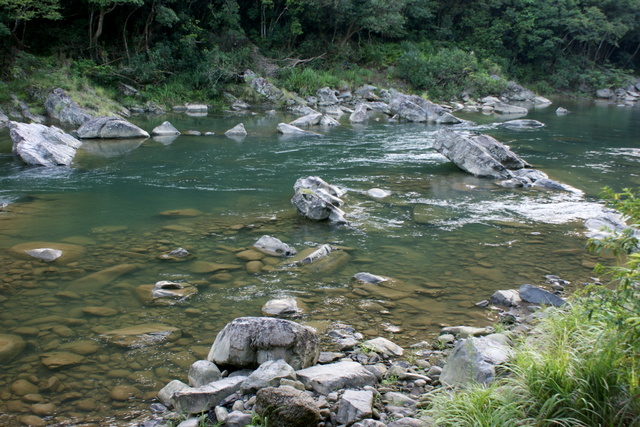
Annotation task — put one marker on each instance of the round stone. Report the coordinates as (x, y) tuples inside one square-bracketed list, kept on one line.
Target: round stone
[(43, 409), (124, 392), (33, 421), (23, 387), (254, 267), (10, 346), (86, 405)]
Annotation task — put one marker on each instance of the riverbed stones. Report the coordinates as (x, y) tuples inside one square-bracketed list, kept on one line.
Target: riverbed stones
[(99, 279), (474, 360), (195, 400), (60, 359), (287, 407), (142, 335), (210, 267), (268, 374), (41, 145), (10, 346), (110, 128), (203, 372), (100, 311), (355, 405), (535, 295), (181, 213), (251, 341), (165, 129), (124, 393), (324, 379)]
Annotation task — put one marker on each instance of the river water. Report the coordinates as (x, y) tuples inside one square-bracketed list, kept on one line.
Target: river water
[(448, 240)]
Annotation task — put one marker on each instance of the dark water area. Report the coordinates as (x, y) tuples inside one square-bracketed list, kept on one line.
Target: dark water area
[(447, 239)]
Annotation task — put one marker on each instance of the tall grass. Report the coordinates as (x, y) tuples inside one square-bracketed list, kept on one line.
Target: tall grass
[(578, 369), (306, 81)]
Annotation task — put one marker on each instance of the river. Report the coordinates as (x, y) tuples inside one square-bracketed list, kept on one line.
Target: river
[(449, 240)]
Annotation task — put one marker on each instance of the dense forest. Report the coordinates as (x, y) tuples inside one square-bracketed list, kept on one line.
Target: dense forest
[(440, 48)]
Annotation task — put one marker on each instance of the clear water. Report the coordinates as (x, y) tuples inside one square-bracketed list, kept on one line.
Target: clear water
[(448, 239)]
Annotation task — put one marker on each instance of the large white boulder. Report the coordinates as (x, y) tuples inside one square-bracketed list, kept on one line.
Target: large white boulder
[(42, 145)]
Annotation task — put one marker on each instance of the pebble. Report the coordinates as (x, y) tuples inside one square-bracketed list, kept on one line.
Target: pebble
[(43, 409), (23, 387)]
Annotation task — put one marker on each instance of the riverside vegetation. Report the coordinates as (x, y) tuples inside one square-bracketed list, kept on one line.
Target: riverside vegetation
[(171, 52), (581, 365)]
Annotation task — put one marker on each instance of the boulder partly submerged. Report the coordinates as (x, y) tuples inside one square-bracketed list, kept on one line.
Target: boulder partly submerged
[(42, 145), (110, 128), (477, 154), (412, 108), (315, 199)]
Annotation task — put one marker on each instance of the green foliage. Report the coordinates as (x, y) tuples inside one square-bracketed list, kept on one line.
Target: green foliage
[(305, 81), (448, 72)]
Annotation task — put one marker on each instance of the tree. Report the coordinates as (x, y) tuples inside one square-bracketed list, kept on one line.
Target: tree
[(16, 13)]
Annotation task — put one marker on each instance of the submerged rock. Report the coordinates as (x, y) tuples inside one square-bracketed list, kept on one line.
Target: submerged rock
[(10, 347), (523, 124), (289, 130), (142, 335), (60, 253), (42, 145), (97, 280)]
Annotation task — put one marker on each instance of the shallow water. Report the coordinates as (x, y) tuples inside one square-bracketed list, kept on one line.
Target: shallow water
[(447, 239)]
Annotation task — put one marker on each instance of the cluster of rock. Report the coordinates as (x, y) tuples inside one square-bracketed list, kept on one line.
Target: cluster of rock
[(484, 156), (274, 368), (627, 95)]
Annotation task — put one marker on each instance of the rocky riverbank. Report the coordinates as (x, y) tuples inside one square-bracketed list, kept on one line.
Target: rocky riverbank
[(279, 373)]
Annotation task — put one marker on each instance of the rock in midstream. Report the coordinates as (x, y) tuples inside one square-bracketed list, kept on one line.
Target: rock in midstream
[(273, 246)]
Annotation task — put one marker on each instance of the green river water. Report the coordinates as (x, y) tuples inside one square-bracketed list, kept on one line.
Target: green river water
[(448, 239)]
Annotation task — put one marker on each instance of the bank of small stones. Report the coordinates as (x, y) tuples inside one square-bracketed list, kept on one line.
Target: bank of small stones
[(284, 379)]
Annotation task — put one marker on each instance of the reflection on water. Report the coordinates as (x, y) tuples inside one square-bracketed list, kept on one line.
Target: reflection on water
[(448, 240)]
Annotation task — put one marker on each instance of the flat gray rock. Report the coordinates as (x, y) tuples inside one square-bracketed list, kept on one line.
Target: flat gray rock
[(355, 405), (535, 295), (110, 128), (201, 399), (336, 376)]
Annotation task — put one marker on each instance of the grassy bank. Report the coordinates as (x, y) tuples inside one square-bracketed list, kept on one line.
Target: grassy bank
[(580, 366)]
